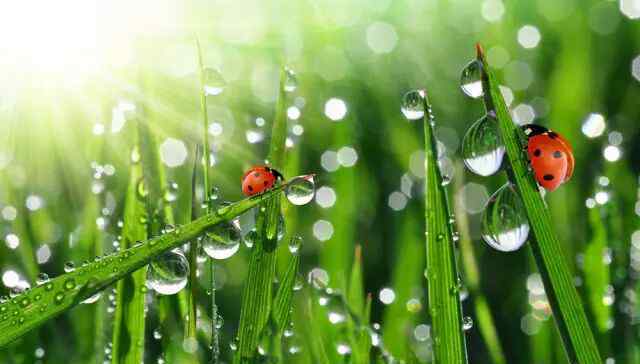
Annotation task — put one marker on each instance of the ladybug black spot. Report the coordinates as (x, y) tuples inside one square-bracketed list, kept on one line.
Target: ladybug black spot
[(266, 183), (548, 177), (250, 188), (557, 154), (537, 152), (553, 135)]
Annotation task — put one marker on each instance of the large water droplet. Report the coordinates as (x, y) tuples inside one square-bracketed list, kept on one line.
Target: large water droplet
[(413, 105), (92, 299), (214, 84), (168, 273), (69, 267), (467, 323), (482, 147), (504, 221), (222, 241), (294, 244), (291, 81), (471, 79), (300, 190), (319, 278), (42, 278)]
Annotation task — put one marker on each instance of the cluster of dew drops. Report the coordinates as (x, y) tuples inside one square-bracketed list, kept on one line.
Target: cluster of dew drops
[(504, 223)]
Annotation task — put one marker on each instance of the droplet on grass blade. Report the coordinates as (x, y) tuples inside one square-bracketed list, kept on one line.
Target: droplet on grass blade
[(482, 147), (413, 105), (467, 323), (222, 240), (471, 79), (69, 267), (291, 81), (93, 298), (318, 278), (505, 226), (168, 274), (294, 245), (300, 190), (214, 84)]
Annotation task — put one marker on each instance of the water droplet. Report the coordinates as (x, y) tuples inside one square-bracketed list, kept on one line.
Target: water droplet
[(171, 192), (94, 298), (343, 349), (214, 194), (222, 240), (504, 221), (482, 147), (69, 284), (233, 345), (471, 79), (294, 244), (25, 301), (300, 190), (319, 278), (157, 334), (141, 188), (219, 322), (69, 267), (447, 170), (214, 84), (58, 298), (250, 238), (467, 323), (42, 278), (291, 81), (168, 273), (135, 155), (413, 105)]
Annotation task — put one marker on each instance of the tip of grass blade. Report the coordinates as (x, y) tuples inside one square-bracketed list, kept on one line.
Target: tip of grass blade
[(479, 51)]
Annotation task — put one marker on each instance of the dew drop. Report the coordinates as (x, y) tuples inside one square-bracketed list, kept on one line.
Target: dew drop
[(294, 245), (69, 284), (222, 240), (300, 190), (291, 80), (413, 105), (58, 298), (214, 84), (69, 267), (168, 274), (482, 147), (141, 188), (319, 278), (471, 79), (93, 299), (467, 323), (171, 192), (343, 349), (42, 278), (504, 221)]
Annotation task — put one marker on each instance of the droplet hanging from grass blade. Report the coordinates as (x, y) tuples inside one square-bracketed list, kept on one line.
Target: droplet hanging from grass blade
[(482, 147), (300, 190), (505, 226), (168, 274), (291, 81), (214, 84), (471, 79), (413, 105), (222, 241)]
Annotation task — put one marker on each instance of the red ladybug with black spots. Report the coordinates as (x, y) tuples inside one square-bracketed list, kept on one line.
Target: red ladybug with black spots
[(551, 156), (259, 179)]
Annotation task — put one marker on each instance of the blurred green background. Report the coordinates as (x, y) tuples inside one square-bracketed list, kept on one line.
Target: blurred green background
[(73, 73)]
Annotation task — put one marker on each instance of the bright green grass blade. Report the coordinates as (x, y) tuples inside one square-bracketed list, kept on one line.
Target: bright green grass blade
[(596, 276), (33, 308), (129, 318), (284, 297), (484, 318), (257, 295), (572, 322), (442, 276), (355, 298)]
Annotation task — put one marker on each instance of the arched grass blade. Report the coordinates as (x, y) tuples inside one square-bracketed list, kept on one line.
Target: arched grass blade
[(40, 304), (442, 275), (558, 281)]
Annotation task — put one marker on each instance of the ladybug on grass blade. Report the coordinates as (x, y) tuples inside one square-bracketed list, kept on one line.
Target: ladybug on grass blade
[(259, 179), (550, 155)]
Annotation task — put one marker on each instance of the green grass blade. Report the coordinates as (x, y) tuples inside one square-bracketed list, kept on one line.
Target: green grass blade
[(596, 277), (129, 319), (257, 296), (444, 300), (570, 317), (38, 305), (486, 324), (284, 296)]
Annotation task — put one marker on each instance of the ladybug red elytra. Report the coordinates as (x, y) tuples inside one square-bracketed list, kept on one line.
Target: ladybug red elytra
[(551, 156), (259, 179)]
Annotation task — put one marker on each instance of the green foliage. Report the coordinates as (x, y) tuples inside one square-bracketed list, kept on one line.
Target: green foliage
[(572, 322)]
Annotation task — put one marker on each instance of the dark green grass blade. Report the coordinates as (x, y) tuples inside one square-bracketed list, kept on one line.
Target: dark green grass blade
[(284, 297), (129, 318), (257, 295), (572, 322), (33, 308), (486, 324), (442, 275)]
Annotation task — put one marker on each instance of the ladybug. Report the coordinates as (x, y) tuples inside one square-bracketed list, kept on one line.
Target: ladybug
[(551, 156), (259, 179)]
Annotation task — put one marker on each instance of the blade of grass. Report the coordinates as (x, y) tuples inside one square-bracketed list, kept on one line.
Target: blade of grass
[(129, 318), (442, 275), (282, 305), (569, 314), (486, 324), (40, 304), (257, 295)]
